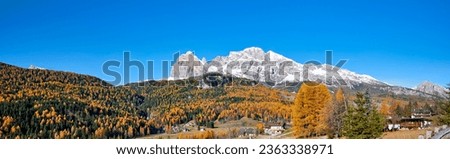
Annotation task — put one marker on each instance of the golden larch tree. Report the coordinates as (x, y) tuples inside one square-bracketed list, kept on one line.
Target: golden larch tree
[(309, 110), (385, 108)]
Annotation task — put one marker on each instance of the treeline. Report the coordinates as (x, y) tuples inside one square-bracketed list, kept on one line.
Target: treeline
[(397, 109)]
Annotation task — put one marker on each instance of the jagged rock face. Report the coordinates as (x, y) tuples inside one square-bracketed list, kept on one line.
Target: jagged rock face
[(187, 65), (267, 67), (432, 89)]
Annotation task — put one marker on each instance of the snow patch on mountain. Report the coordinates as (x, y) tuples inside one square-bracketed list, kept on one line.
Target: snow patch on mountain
[(36, 68)]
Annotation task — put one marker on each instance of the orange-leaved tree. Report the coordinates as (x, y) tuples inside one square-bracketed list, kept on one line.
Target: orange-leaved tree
[(385, 108)]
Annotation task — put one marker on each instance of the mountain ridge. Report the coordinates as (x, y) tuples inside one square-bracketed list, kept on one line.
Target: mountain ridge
[(431, 88), (276, 70)]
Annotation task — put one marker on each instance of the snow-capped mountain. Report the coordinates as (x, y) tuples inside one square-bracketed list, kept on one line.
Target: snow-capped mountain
[(276, 70), (270, 68), (187, 65), (253, 63), (431, 88), (35, 67)]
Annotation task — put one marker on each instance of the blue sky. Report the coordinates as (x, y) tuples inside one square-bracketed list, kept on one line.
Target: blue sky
[(403, 42)]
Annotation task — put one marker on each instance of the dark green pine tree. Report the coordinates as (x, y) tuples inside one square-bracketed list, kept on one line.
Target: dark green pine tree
[(363, 120), (407, 111)]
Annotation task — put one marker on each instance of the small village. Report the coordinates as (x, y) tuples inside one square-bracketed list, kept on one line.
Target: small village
[(418, 126)]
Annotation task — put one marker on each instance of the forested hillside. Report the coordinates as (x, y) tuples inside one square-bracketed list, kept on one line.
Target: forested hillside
[(37, 103), (177, 102), (48, 104)]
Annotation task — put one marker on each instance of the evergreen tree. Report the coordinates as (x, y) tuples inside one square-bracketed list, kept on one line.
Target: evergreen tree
[(444, 113), (363, 121), (309, 108), (399, 111), (407, 111)]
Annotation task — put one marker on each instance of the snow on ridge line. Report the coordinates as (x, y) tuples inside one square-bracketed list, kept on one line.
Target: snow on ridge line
[(257, 54)]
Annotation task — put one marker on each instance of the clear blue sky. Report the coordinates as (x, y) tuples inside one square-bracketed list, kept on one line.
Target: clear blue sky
[(403, 42)]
